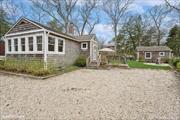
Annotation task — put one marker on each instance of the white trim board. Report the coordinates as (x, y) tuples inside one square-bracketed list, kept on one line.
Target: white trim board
[(148, 57), (86, 45), (26, 32)]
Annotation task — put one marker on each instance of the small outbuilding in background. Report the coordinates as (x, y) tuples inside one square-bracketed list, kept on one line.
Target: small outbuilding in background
[(154, 54)]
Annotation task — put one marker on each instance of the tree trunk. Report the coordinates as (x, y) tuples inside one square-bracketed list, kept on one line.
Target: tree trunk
[(115, 40), (159, 37)]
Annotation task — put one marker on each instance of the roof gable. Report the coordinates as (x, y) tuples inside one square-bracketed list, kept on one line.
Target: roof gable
[(23, 25)]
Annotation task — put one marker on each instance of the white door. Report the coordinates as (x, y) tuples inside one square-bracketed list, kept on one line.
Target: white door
[(94, 53)]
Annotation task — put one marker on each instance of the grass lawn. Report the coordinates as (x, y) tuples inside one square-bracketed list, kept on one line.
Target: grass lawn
[(136, 64), (115, 62)]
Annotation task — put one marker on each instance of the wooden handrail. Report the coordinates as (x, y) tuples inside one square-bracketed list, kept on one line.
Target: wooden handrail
[(87, 61), (99, 61)]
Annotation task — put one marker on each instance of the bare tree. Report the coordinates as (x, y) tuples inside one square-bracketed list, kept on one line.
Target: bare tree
[(157, 14), (38, 14), (59, 10), (12, 10), (88, 17), (175, 6), (115, 9)]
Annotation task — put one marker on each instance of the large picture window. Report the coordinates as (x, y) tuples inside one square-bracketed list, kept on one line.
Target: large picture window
[(39, 43), (60, 45), (16, 44), (30, 42), (9, 45), (22, 44), (51, 44)]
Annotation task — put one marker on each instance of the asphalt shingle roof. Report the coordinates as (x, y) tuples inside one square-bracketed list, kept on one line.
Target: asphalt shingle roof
[(51, 29), (79, 38), (153, 48), (85, 37)]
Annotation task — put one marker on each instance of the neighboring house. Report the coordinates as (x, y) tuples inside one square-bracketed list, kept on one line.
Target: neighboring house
[(110, 45), (28, 39), (153, 53)]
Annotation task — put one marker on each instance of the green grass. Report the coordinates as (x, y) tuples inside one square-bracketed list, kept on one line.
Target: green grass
[(115, 62), (70, 69), (33, 67), (136, 64)]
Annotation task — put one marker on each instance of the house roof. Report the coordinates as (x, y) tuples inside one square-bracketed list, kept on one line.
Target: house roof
[(76, 38), (51, 29), (43, 26), (85, 37), (153, 48)]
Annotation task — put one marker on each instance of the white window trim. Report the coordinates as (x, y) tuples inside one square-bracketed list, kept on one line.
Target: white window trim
[(86, 45), (161, 55), (17, 44), (148, 57), (8, 45), (21, 44), (37, 43), (56, 45), (26, 45)]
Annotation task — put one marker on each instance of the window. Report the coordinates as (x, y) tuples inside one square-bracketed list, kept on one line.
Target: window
[(16, 44), (148, 55), (22, 44), (60, 45), (39, 43), (84, 45), (30, 41), (51, 44), (161, 53), (9, 45)]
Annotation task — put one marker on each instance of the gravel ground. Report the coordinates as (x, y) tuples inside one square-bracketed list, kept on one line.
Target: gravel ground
[(133, 94)]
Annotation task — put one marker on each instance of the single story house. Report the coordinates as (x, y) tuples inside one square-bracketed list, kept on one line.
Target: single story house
[(28, 39), (153, 53), (110, 45)]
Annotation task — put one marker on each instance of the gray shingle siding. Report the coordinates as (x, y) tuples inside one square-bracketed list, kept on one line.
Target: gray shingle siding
[(72, 52)]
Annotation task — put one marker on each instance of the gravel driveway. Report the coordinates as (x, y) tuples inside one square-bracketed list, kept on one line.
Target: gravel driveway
[(132, 94)]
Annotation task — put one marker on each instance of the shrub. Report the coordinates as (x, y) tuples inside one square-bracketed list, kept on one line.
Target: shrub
[(178, 66), (141, 59), (174, 61), (80, 61), (2, 64), (34, 67), (165, 60)]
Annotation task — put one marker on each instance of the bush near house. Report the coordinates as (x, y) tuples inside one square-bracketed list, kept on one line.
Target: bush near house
[(141, 59), (174, 61), (80, 61), (178, 66), (33, 67)]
